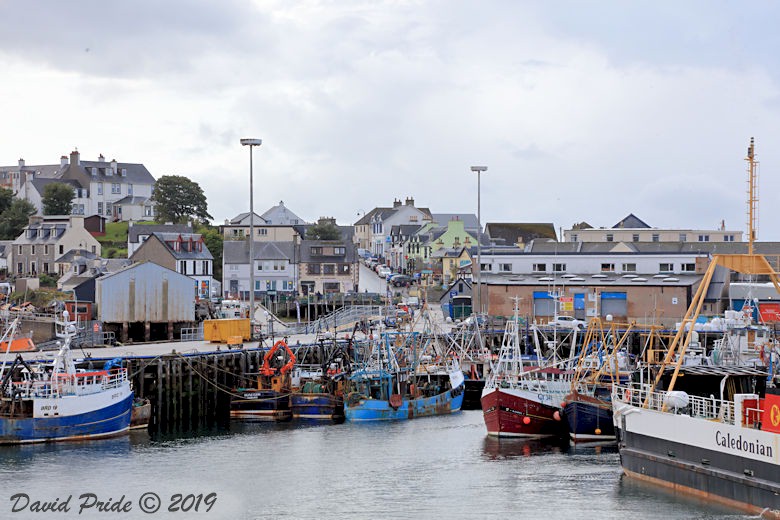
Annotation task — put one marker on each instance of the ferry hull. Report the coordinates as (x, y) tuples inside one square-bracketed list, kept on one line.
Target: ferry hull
[(509, 413), (110, 420), (445, 403), (317, 407), (731, 464), (589, 421), (722, 479)]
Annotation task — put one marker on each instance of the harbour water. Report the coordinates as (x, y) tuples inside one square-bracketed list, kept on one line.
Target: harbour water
[(438, 467)]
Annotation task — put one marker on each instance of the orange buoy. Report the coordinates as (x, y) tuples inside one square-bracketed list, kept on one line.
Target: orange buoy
[(598, 431), (557, 415), (526, 420)]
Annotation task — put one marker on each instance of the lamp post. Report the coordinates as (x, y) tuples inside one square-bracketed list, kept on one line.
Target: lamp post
[(251, 143), (479, 170)]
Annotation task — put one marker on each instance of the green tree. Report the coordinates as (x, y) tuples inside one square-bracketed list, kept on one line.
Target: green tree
[(57, 199), (213, 239), (15, 218), (6, 198), (179, 199), (323, 230)]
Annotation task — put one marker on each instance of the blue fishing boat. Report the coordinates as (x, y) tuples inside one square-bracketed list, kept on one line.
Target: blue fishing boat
[(56, 402), (319, 394), (403, 381)]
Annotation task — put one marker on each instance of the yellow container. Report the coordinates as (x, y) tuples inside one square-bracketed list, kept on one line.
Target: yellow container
[(221, 330)]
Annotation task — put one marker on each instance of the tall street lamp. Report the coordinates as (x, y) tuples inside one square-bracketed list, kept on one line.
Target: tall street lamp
[(251, 143), (479, 170)]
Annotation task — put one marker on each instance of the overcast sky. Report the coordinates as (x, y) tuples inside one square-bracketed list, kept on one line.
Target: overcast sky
[(582, 111)]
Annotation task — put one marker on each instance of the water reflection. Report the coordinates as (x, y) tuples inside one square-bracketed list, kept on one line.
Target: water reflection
[(498, 448)]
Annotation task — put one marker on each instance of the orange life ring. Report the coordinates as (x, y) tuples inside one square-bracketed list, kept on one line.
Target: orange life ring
[(627, 395)]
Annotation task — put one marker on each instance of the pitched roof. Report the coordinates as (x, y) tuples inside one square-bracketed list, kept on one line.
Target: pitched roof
[(631, 221), (181, 254), (469, 220), (148, 229), (509, 233), (237, 251), (350, 255)]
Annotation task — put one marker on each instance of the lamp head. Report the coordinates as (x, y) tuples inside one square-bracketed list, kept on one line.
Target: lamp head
[(479, 168), (251, 142)]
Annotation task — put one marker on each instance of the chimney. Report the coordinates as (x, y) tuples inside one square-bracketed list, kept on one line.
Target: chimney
[(113, 166), (64, 160), (101, 158), (396, 203), (74, 158), (21, 163), (409, 201)]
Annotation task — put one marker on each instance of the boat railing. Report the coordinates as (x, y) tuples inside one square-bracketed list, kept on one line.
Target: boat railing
[(709, 408)]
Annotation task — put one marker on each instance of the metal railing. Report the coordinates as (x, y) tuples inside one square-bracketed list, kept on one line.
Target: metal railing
[(192, 333), (341, 317), (709, 408)]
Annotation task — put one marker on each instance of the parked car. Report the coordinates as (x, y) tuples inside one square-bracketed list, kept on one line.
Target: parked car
[(401, 280), (567, 322), (383, 271)]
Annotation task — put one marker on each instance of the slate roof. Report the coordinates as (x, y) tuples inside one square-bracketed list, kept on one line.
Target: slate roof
[(238, 220), (306, 256), (469, 220), (237, 251), (507, 233), (40, 183), (631, 221), (135, 173), (148, 229), (71, 255), (203, 254), (130, 199)]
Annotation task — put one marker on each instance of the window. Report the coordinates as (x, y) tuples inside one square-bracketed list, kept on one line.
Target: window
[(62, 249), (19, 268), (46, 250), (262, 232), (147, 211), (316, 251), (287, 285), (257, 284), (340, 251), (313, 269), (129, 189), (270, 285), (343, 268), (505, 268), (116, 187), (539, 268), (607, 268), (486, 267), (32, 250), (205, 267), (635, 237), (20, 250), (108, 209), (704, 238), (688, 268), (656, 237), (574, 237), (94, 249), (559, 268), (683, 237), (728, 238), (629, 268), (260, 266), (664, 267), (100, 208), (100, 188), (328, 269), (46, 267), (332, 287), (183, 266), (609, 237)]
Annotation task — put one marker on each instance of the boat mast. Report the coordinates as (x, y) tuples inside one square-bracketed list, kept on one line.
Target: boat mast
[(752, 195)]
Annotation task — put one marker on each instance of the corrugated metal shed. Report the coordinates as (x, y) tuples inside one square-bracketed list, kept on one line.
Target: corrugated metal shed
[(145, 292)]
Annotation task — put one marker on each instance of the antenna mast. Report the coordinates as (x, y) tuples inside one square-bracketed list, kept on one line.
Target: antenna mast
[(752, 196)]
